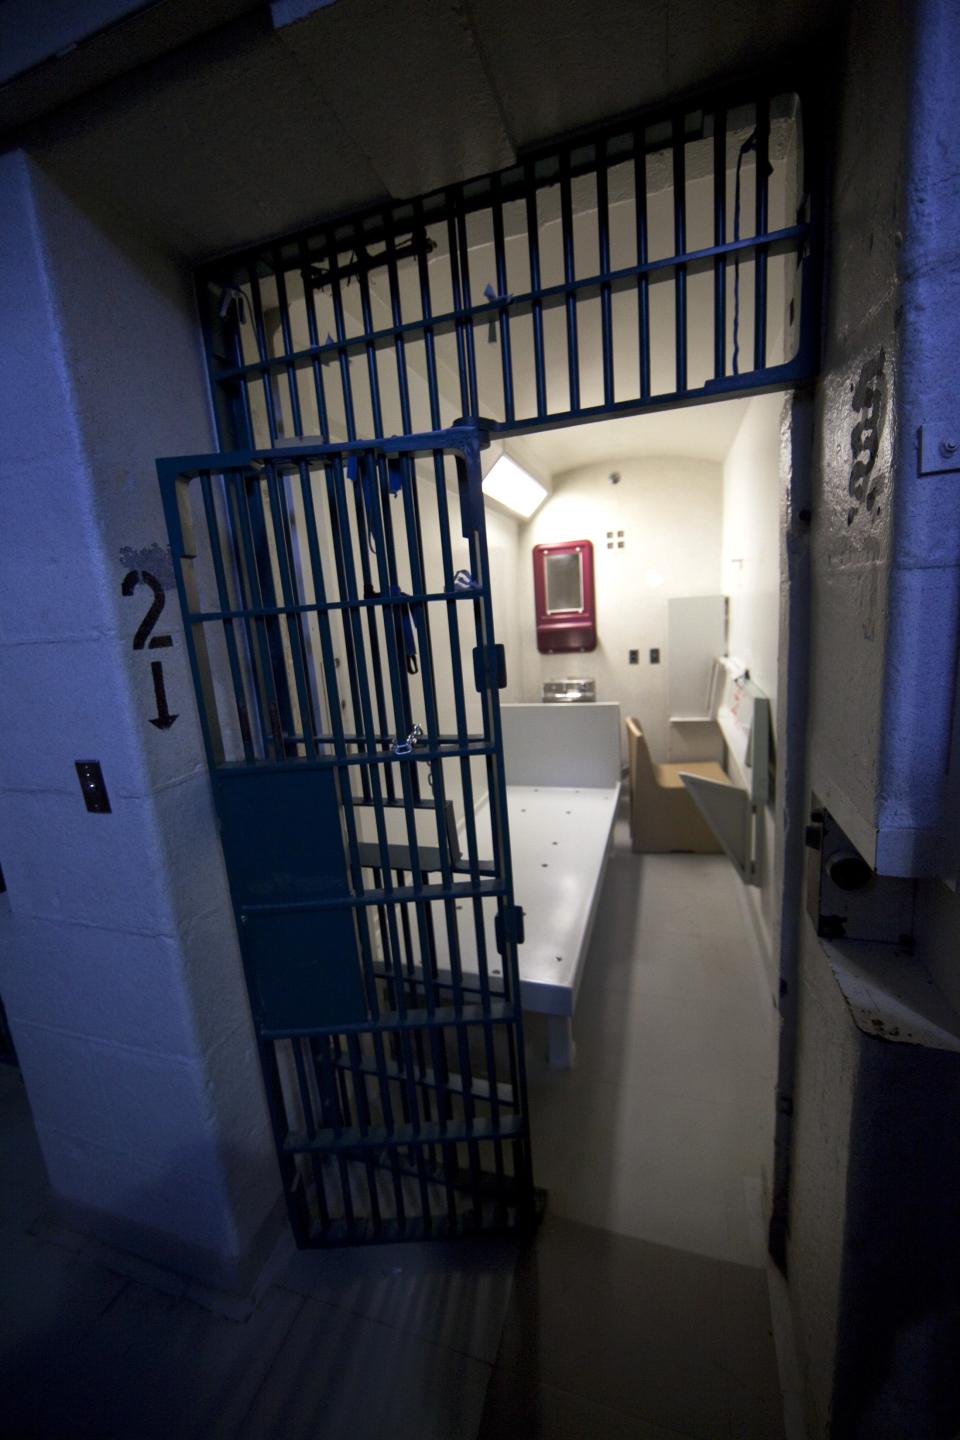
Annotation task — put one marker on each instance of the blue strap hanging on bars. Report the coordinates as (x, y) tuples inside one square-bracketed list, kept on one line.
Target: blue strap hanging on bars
[(407, 630), (494, 298), (368, 480), (369, 483), (395, 474)]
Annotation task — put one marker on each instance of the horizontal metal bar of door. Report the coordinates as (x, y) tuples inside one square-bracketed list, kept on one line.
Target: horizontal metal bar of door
[(339, 622)]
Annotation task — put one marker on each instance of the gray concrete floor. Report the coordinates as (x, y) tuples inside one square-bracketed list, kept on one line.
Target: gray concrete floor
[(640, 1310)]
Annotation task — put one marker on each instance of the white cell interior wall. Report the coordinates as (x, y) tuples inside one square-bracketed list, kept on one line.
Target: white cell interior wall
[(751, 540), (670, 511), (751, 579)]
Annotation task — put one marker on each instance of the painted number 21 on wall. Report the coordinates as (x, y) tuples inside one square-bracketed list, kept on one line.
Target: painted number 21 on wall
[(163, 719)]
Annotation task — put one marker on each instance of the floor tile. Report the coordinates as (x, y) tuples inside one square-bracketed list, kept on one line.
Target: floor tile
[(47, 1289), (453, 1294), (748, 1333), (622, 1323), (342, 1377), (755, 1417), (150, 1365), (516, 1408), (23, 1177)]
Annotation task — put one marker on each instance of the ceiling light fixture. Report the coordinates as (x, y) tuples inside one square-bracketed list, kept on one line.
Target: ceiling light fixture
[(514, 488)]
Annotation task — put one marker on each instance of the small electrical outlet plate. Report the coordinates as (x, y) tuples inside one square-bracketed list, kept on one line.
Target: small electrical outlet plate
[(633, 657), (92, 787), (654, 657)]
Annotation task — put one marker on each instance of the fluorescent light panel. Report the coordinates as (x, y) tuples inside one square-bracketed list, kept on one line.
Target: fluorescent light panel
[(513, 487)]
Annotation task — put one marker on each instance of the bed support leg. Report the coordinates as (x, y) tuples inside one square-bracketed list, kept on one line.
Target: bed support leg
[(561, 1051)]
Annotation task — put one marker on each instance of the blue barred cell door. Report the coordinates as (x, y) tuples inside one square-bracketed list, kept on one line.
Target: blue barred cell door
[(339, 622)]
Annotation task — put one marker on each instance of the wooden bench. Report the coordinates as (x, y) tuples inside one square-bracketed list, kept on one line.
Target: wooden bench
[(663, 814)]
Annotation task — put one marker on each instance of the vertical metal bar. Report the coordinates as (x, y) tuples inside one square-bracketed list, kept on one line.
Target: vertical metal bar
[(471, 503), (386, 555), (473, 404), (387, 579), (500, 257), (175, 492), (466, 778), (314, 339), (370, 982), (425, 912), (276, 1104), (680, 246), (247, 596), (362, 1109), (340, 542), (244, 392), (223, 593), (333, 1114), (262, 351), (218, 299), (606, 296), (346, 797), (569, 275), (404, 719), (266, 691), (720, 238), (336, 296), (396, 319), (643, 280), (417, 568), (366, 481), (295, 636), (287, 342), (536, 309), (760, 263), (272, 626), (366, 310), (363, 711), (429, 341), (461, 325), (470, 480), (310, 1126)]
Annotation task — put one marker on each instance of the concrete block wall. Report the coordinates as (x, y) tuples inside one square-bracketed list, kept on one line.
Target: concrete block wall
[(119, 965)]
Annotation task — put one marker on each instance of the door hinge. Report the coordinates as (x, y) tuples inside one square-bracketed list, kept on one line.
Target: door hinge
[(490, 667), (513, 915)]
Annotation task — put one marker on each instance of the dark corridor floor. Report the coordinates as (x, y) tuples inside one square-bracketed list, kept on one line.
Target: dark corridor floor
[(650, 1322)]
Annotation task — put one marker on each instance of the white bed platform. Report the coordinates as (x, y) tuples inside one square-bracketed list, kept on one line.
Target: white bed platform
[(563, 784)]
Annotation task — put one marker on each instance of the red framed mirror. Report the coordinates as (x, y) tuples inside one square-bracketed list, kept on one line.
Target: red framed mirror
[(564, 597)]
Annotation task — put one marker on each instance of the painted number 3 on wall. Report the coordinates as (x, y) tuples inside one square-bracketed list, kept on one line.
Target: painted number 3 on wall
[(870, 404), (163, 718)]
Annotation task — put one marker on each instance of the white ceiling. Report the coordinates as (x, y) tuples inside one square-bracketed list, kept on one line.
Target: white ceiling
[(702, 432)]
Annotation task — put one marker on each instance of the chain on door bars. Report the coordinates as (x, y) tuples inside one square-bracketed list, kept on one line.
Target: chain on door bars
[(339, 623)]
